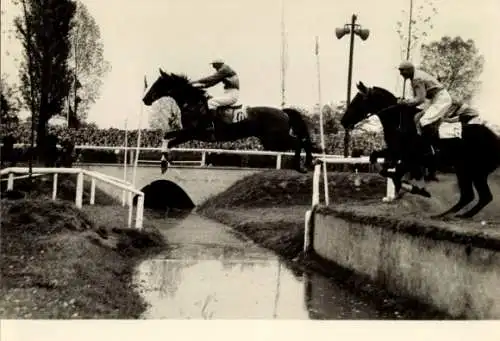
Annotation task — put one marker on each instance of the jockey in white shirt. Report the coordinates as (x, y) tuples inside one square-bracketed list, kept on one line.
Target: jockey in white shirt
[(425, 87), (225, 75)]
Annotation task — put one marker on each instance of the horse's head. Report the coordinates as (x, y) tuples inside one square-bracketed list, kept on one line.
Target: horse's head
[(175, 86), (191, 100), (160, 88), (368, 101)]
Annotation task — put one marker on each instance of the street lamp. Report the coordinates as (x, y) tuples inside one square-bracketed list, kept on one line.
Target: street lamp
[(363, 33)]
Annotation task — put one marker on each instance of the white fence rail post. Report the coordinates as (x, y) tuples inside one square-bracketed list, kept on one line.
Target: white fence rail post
[(54, 186), (79, 190), (278, 161), (203, 161), (92, 191), (130, 208), (10, 182), (390, 190), (316, 177), (140, 212)]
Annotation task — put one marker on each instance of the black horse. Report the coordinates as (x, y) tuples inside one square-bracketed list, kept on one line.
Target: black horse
[(273, 127), (473, 157)]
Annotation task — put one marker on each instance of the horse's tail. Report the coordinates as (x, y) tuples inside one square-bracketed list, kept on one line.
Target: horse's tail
[(298, 124)]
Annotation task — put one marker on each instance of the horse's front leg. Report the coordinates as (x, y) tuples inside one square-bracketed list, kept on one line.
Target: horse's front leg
[(396, 175), (181, 137)]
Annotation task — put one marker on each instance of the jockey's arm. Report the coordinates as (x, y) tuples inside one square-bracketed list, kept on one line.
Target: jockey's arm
[(213, 79), (419, 97)]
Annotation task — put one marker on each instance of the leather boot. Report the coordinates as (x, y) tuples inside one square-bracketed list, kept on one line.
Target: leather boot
[(429, 134)]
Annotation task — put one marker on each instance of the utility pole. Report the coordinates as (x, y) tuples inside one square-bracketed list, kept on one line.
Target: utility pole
[(351, 29)]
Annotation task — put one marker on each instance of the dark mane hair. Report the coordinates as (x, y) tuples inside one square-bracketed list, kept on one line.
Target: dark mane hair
[(386, 93), (182, 81)]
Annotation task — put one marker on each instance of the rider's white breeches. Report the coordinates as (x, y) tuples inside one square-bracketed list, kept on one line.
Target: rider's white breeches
[(229, 97), (437, 108)]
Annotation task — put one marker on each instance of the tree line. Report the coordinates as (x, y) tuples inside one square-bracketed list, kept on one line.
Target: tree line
[(62, 68)]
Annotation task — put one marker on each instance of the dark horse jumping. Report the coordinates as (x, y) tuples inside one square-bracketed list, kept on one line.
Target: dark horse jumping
[(273, 127), (473, 157)]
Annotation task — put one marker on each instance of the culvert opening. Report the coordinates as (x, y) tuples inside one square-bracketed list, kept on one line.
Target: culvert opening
[(164, 195)]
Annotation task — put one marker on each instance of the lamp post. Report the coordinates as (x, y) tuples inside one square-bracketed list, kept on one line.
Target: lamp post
[(363, 33)]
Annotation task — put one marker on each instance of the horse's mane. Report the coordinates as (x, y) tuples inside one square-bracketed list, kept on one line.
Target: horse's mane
[(386, 93), (183, 81)]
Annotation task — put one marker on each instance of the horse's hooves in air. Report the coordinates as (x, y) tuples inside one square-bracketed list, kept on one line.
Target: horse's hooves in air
[(465, 215), (420, 191), (164, 166), (440, 215), (425, 193)]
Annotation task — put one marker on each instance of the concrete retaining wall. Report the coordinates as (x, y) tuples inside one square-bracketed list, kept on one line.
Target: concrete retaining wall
[(456, 278)]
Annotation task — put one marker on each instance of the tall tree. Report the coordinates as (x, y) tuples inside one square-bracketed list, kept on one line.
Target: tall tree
[(43, 30), (87, 64), (9, 108), (165, 115), (414, 26), (457, 63)]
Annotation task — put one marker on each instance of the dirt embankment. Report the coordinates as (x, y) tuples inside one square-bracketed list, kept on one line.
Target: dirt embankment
[(59, 262)]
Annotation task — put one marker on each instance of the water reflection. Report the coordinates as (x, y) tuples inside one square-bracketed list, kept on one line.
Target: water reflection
[(247, 289), (221, 289)]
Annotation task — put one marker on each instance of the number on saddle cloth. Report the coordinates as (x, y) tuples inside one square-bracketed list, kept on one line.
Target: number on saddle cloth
[(233, 113)]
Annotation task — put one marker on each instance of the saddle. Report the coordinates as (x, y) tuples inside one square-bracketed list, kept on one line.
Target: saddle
[(231, 113)]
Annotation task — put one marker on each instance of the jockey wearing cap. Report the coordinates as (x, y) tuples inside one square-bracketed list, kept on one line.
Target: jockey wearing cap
[(229, 78), (425, 87)]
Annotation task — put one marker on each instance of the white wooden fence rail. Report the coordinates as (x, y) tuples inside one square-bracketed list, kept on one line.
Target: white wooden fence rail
[(309, 215), (80, 173)]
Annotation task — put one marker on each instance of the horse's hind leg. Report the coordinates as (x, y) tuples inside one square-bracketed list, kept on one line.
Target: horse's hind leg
[(297, 143), (466, 194), (484, 193)]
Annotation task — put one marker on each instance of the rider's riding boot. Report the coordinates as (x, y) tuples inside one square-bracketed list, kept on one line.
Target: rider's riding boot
[(429, 134), (211, 118)]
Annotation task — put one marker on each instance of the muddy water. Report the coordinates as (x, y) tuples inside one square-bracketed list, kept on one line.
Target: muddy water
[(210, 273)]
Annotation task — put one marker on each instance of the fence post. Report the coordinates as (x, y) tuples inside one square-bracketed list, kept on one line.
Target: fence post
[(79, 190), (203, 162), (309, 216), (316, 177), (130, 208), (54, 187), (140, 212), (10, 182), (390, 189), (92, 192)]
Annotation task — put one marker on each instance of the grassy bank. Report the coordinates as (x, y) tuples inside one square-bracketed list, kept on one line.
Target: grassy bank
[(59, 262)]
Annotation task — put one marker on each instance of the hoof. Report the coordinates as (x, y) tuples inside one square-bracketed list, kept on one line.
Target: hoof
[(464, 216), (425, 193), (164, 166), (439, 216)]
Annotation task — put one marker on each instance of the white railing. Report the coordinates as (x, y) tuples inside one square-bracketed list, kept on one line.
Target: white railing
[(204, 152), (309, 215), (119, 183)]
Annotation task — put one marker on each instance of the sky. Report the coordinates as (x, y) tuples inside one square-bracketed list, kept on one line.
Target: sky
[(183, 36)]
